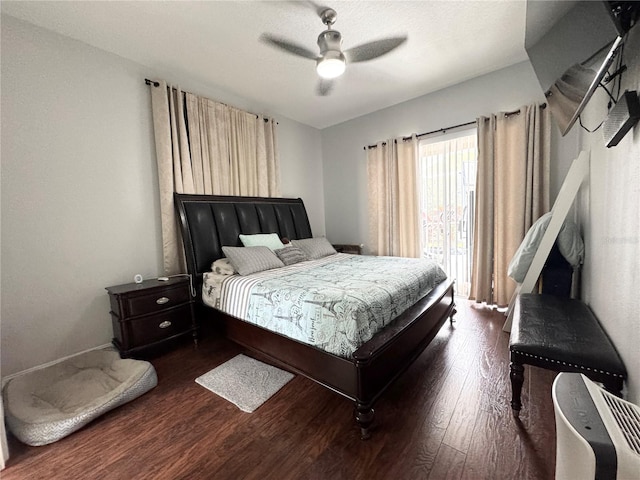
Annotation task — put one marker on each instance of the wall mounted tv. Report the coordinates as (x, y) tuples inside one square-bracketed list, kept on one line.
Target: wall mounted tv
[(571, 53)]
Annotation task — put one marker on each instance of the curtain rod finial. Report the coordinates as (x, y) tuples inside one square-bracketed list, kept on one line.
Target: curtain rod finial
[(151, 82)]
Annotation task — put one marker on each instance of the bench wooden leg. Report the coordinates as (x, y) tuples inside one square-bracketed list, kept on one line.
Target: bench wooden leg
[(517, 380)]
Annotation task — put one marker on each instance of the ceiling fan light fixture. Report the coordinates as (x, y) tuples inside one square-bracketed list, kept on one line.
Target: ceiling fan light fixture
[(331, 65), (330, 60)]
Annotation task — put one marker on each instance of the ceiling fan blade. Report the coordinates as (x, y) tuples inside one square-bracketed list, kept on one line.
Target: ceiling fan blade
[(288, 46), (371, 50), (324, 87)]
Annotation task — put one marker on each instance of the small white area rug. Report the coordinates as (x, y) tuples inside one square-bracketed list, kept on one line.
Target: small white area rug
[(245, 382)]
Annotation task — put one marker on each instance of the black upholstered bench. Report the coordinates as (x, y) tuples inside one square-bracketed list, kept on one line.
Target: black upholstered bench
[(561, 334)]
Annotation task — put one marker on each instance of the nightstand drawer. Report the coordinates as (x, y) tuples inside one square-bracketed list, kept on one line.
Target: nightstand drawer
[(153, 328), (156, 300)]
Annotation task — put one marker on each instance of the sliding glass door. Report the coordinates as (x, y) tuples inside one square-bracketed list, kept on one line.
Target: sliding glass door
[(447, 169)]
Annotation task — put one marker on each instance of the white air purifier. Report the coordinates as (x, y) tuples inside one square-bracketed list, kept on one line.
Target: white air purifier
[(598, 434)]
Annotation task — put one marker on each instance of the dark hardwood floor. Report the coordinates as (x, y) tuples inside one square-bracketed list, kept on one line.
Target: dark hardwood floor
[(447, 417)]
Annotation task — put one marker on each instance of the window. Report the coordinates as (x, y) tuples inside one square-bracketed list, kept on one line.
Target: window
[(447, 172)]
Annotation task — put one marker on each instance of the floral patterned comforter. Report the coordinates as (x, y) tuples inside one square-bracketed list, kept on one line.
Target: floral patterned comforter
[(336, 303)]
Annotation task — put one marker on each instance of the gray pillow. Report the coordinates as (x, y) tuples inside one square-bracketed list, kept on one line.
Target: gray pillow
[(314, 248), (291, 255), (248, 260)]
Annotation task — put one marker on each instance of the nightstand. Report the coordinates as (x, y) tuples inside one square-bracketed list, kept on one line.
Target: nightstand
[(151, 313), (352, 249)]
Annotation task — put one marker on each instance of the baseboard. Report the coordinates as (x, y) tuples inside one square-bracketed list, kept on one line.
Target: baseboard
[(48, 364)]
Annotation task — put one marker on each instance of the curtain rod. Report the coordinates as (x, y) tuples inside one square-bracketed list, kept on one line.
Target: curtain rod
[(157, 84), (506, 114), (427, 133)]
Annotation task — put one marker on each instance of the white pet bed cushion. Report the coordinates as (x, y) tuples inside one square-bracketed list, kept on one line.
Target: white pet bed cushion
[(46, 405)]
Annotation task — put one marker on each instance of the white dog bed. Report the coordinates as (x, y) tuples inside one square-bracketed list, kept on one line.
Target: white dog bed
[(46, 405)]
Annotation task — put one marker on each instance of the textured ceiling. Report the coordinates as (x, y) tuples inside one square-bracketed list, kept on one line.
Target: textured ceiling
[(217, 43)]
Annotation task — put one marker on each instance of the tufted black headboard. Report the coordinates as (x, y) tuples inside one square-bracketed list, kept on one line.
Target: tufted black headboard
[(209, 222)]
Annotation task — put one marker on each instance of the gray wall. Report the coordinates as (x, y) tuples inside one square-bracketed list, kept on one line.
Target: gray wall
[(345, 169), (79, 192), (609, 211)]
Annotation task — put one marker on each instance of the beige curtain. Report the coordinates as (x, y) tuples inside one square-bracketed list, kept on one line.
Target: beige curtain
[(206, 147), (393, 198), (512, 192)]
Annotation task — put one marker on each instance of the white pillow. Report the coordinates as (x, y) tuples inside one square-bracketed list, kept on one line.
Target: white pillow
[(569, 243), (248, 260), (270, 240), (315, 248)]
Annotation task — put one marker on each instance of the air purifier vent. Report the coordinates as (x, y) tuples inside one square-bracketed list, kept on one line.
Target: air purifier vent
[(627, 416), (598, 434)]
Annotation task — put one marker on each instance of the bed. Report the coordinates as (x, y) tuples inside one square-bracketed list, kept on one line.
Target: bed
[(208, 223)]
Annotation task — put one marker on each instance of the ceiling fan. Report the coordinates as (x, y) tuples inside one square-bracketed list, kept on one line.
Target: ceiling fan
[(332, 61)]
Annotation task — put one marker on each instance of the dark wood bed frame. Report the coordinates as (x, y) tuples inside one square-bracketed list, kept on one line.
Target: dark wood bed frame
[(209, 222)]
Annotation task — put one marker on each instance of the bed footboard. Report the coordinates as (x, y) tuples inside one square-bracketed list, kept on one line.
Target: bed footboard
[(209, 222), (385, 357), (373, 367)]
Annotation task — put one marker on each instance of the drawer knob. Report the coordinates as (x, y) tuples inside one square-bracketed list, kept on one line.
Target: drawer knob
[(162, 300), (165, 324)]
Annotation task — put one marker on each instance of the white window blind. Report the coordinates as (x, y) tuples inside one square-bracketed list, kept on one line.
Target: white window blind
[(447, 169)]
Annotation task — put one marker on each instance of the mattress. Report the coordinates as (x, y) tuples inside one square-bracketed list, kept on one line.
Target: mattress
[(336, 303)]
